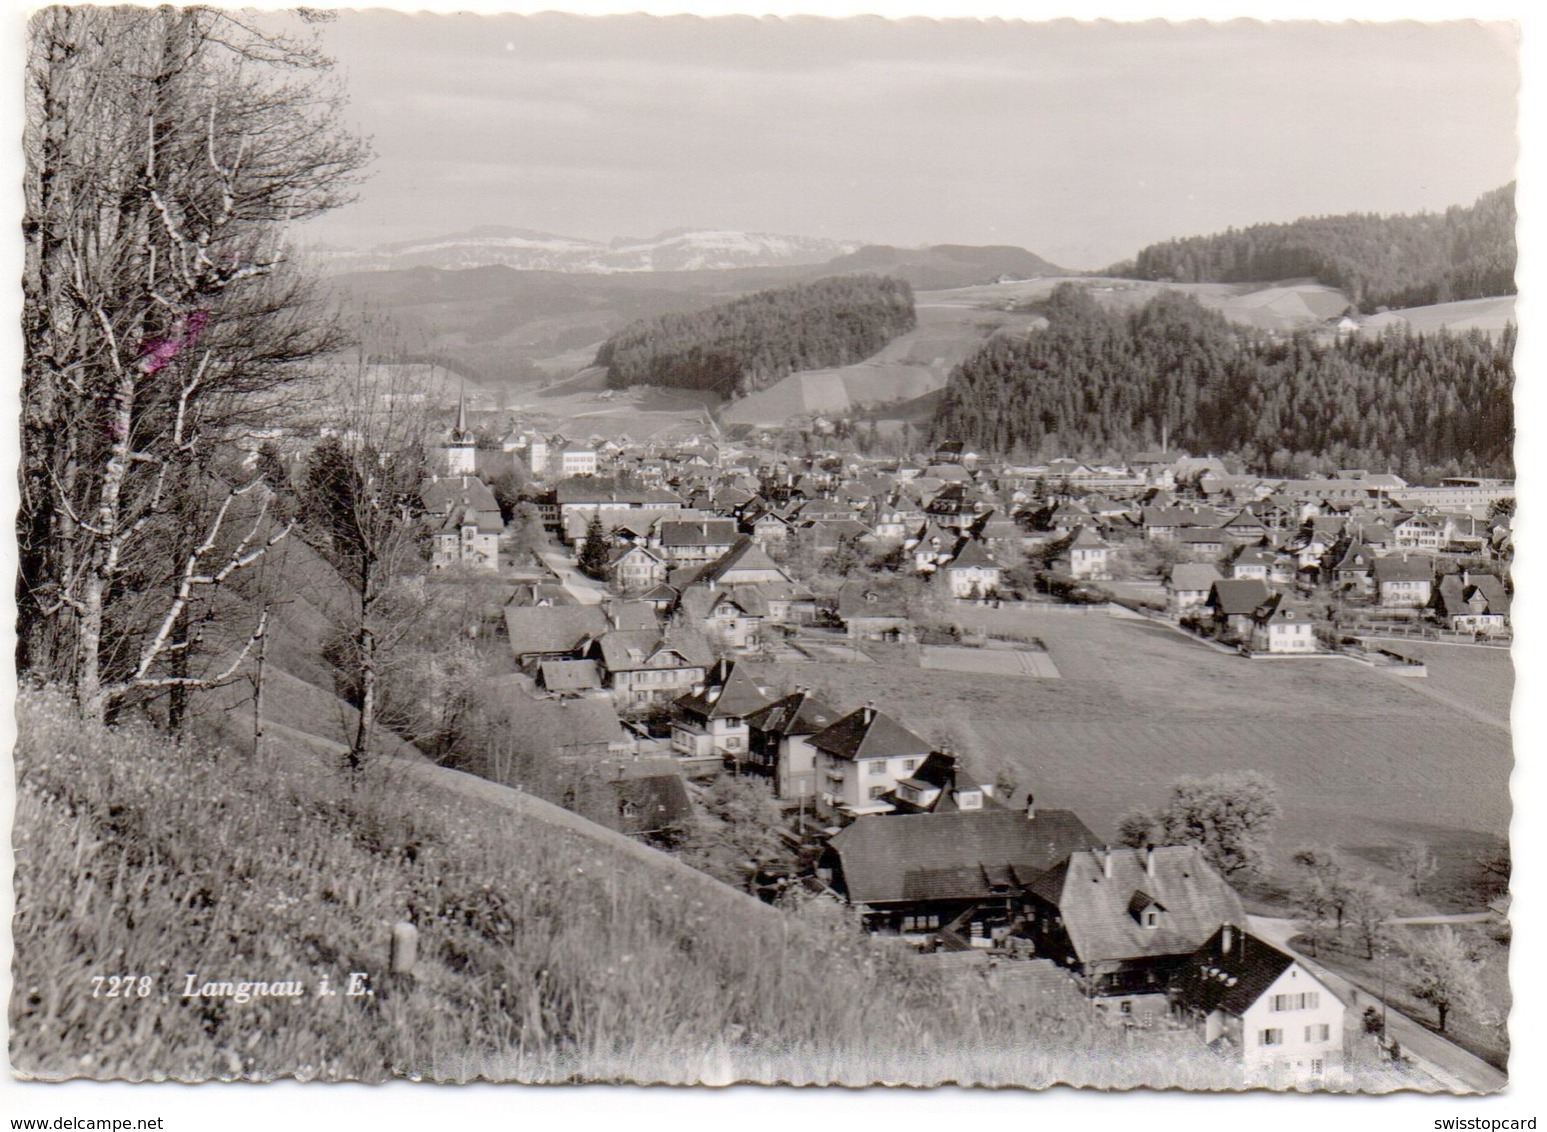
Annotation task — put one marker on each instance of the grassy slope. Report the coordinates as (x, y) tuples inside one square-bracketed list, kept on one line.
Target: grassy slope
[(547, 953)]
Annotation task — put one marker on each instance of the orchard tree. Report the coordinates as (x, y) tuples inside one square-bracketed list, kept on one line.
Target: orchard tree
[(1229, 817), (1446, 974), (167, 150)]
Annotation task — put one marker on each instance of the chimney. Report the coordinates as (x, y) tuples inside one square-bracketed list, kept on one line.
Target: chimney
[(1031, 806), (1149, 861), (1226, 940), (1466, 577), (870, 712), (1107, 864)]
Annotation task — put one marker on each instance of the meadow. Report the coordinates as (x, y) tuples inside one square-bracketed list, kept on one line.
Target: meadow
[(1362, 760), (549, 950)]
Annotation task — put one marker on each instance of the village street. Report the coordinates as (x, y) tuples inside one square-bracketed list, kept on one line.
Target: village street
[(581, 588), (1443, 1060)]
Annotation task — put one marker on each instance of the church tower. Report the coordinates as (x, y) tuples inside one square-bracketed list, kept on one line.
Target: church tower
[(459, 452)]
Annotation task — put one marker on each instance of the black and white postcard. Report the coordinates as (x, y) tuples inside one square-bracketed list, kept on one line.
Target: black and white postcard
[(629, 549)]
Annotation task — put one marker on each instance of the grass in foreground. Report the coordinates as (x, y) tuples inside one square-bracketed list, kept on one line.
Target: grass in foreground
[(544, 955)]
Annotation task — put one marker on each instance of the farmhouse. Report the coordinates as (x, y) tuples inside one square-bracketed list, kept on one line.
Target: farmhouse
[(972, 573), (1126, 919), (1477, 602), (961, 875), (873, 611), (1265, 1009), (640, 667), (1233, 606)]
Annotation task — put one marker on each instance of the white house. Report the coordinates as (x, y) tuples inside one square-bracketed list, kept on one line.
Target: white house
[(1278, 629), (861, 758), (1240, 994)]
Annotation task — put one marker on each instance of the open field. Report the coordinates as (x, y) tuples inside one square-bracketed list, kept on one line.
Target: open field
[(994, 662), (1488, 315), (1361, 760), (911, 366), (1480, 677)]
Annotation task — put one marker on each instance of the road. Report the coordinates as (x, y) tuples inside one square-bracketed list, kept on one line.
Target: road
[(584, 590), (1445, 1061)]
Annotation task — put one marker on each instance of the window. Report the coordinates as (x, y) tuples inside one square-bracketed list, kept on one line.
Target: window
[(1125, 1007), (877, 791), (1151, 918), (910, 764), (877, 768), (1270, 1037), (1306, 1000), (1318, 1033), (1318, 1067)]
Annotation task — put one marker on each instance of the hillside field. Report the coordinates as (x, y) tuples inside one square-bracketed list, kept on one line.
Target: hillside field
[(1360, 759)]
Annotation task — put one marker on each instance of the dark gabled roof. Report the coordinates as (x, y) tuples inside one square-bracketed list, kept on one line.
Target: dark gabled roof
[(913, 857), (1455, 594), (1217, 978), (800, 713), (869, 734), (552, 628), (730, 692), (631, 615), (628, 649), (1234, 597), (637, 804), (1095, 906), (973, 554)]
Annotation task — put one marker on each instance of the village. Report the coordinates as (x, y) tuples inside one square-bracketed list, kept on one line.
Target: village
[(671, 585)]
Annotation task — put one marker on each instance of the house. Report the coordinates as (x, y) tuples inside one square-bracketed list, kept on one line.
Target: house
[(873, 611), (963, 874), (569, 677), (1127, 919), (1188, 586), (941, 786), (641, 667), (1085, 557), (552, 632), (1403, 581), (1478, 602), (1354, 573), (467, 537), (1244, 996), (712, 718), (634, 568), (734, 616), (577, 460), (1419, 532), (1276, 628), (696, 542), (647, 800), (1203, 544), (779, 742), (1252, 562), (861, 758), (972, 574), (1232, 605)]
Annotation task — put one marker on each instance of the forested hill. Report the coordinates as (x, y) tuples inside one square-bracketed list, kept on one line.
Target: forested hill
[(749, 343), (1380, 261), (1103, 382)]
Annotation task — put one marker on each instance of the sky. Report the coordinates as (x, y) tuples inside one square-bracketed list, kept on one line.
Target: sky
[(1079, 141)]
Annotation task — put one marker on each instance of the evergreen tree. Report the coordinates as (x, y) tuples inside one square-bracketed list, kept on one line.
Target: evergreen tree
[(594, 551)]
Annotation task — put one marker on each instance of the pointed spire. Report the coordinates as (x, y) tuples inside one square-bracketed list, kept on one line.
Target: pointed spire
[(461, 406)]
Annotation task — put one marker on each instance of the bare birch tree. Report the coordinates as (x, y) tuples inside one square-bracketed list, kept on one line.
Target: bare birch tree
[(167, 151)]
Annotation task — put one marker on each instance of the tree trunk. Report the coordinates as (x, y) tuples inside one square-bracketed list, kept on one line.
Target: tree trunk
[(366, 643)]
